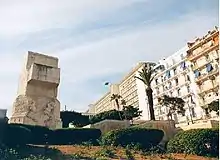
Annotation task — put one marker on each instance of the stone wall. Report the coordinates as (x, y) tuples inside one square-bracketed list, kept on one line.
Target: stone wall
[(167, 126), (198, 125)]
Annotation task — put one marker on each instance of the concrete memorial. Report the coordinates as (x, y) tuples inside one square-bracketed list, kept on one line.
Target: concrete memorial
[(36, 102)]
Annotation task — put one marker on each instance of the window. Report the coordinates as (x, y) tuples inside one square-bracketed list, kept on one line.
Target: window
[(197, 73), (178, 92), (207, 57), (156, 81), (209, 67), (168, 74), (193, 112), (188, 89), (161, 78), (188, 78), (170, 85), (176, 81), (183, 65), (174, 71)]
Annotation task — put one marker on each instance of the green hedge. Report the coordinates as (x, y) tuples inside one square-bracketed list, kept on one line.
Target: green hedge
[(202, 142), (143, 137), (74, 136), (39, 134), (16, 135)]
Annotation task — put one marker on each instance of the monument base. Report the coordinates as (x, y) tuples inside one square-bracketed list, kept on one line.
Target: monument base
[(40, 111)]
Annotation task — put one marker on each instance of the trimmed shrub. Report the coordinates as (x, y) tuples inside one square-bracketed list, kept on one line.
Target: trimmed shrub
[(143, 137), (202, 142), (74, 136), (16, 136), (39, 134)]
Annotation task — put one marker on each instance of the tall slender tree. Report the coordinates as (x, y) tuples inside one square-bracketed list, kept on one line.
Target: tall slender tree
[(146, 75), (116, 98)]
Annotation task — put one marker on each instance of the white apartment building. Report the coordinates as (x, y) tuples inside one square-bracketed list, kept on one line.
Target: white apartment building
[(173, 78)]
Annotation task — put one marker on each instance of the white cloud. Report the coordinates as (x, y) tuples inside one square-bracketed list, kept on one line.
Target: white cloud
[(28, 16), (115, 52)]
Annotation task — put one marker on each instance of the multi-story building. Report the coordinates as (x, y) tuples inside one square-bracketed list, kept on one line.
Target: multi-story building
[(104, 103), (173, 79), (3, 113), (191, 73), (130, 89), (203, 54)]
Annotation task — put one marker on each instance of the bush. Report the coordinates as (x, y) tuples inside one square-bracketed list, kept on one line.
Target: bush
[(16, 135), (145, 138), (7, 153), (74, 136), (39, 134), (202, 142)]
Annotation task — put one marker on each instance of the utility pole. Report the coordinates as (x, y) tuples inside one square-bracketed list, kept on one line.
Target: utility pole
[(65, 108)]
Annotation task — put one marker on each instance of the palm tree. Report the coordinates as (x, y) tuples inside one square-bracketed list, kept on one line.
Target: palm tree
[(116, 97), (146, 76)]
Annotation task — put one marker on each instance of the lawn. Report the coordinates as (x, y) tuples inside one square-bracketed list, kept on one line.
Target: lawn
[(115, 153)]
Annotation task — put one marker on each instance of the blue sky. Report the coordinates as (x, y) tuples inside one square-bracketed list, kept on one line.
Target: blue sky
[(95, 40)]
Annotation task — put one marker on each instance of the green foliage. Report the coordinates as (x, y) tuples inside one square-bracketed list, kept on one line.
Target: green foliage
[(174, 104), (128, 154), (202, 142), (27, 134), (39, 134), (77, 119), (16, 135), (74, 136), (214, 106), (106, 152), (146, 75), (130, 112), (7, 153), (112, 114), (145, 138)]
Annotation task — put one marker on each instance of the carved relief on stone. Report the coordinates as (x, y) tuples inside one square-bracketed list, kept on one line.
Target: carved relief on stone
[(31, 113), (49, 113)]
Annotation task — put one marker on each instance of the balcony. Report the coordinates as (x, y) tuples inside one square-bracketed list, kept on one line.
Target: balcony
[(44, 74), (208, 87), (207, 75), (208, 49)]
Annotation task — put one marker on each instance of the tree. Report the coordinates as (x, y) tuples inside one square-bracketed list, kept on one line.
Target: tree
[(77, 119), (130, 112), (174, 105), (214, 106), (116, 97), (146, 76), (112, 114)]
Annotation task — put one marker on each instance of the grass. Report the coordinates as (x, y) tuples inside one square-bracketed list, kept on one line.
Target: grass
[(74, 152)]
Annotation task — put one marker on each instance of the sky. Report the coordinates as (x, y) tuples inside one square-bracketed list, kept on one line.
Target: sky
[(95, 40)]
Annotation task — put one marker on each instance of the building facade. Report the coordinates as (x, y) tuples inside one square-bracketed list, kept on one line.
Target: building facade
[(3, 113), (130, 89), (173, 78), (203, 54), (191, 73)]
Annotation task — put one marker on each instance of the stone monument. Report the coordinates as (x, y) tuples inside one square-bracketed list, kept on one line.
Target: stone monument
[(36, 102)]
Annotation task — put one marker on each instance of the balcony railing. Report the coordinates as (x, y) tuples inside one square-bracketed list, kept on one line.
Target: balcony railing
[(206, 75), (195, 56)]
